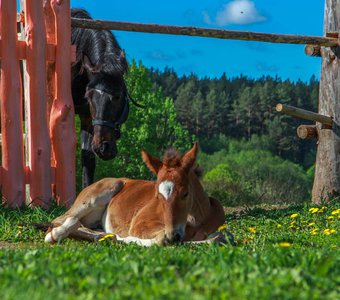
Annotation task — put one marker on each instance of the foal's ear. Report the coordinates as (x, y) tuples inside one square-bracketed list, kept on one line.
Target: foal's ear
[(189, 159), (153, 163)]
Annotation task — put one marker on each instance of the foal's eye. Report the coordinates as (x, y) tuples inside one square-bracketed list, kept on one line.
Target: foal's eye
[(186, 195)]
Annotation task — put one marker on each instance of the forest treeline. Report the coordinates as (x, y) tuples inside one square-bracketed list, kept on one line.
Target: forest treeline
[(220, 109)]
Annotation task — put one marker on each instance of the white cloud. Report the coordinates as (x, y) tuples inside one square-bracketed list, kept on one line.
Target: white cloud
[(236, 12)]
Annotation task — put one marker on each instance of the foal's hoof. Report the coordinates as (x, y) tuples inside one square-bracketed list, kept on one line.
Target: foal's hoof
[(49, 238)]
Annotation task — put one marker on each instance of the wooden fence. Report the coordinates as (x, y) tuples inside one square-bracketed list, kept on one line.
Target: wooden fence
[(50, 113), (45, 162)]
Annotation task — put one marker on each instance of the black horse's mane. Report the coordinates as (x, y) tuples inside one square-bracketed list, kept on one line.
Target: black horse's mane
[(98, 46)]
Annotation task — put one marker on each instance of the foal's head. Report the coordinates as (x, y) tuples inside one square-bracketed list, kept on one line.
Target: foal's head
[(109, 107), (173, 189)]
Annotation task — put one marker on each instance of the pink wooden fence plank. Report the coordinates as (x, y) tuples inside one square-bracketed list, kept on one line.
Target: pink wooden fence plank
[(13, 182), (62, 114), (39, 140)]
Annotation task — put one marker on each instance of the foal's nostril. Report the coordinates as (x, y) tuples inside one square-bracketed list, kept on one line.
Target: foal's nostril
[(104, 147)]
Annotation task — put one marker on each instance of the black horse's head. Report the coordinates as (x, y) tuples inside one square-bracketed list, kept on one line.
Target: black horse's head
[(109, 107)]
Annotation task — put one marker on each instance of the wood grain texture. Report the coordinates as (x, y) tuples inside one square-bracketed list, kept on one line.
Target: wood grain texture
[(327, 172)]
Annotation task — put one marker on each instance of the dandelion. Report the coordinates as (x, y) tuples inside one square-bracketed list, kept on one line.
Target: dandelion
[(279, 225), (20, 227), (222, 227), (314, 231), (252, 230), (105, 237), (294, 216), (293, 222), (311, 224), (314, 210), (335, 212), (285, 244), (330, 217), (328, 231), (251, 237)]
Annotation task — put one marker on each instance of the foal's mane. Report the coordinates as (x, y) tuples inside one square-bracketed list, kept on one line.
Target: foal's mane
[(172, 158), (100, 47)]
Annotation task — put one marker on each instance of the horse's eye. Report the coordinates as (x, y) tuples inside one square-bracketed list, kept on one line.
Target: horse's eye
[(186, 195)]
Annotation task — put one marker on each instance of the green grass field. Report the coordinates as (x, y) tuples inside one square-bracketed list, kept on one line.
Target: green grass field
[(281, 253)]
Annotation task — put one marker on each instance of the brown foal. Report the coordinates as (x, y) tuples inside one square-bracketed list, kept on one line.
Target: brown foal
[(174, 208)]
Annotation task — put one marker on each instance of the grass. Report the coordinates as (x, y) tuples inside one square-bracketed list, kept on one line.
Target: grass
[(285, 253)]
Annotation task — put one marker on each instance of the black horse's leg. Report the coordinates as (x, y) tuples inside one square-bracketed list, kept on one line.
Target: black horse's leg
[(88, 160)]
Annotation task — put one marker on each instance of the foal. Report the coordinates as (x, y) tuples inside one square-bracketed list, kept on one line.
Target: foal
[(172, 209)]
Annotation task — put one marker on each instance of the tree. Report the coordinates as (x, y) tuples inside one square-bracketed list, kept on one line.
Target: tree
[(153, 128)]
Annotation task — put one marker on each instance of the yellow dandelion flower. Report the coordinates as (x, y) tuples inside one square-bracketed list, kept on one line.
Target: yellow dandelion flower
[(285, 244), (222, 227), (311, 224), (314, 231), (327, 231), (279, 225), (294, 216), (335, 212), (105, 237), (293, 222), (251, 237), (20, 227), (252, 230), (314, 210), (330, 217)]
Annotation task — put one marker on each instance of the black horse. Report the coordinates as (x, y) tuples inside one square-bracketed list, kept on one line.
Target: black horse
[(99, 93)]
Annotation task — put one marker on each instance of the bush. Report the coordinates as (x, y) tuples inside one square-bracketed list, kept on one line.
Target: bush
[(252, 176)]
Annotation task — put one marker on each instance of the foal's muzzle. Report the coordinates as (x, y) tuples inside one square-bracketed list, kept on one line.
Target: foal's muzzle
[(106, 150), (173, 238)]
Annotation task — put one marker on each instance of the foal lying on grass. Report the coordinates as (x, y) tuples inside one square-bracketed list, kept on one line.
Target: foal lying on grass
[(174, 208)]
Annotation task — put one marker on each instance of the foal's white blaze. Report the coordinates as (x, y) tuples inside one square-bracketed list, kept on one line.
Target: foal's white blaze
[(165, 188)]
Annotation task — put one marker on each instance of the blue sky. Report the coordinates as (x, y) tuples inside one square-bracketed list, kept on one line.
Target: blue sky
[(211, 57)]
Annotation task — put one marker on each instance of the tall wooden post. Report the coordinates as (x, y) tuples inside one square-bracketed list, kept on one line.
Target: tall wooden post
[(327, 173), (62, 114), (39, 140), (13, 178)]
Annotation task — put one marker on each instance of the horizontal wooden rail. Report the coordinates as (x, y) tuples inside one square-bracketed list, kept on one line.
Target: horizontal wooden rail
[(304, 114), (205, 32)]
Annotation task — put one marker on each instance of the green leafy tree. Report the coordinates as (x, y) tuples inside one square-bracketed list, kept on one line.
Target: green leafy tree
[(153, 128)]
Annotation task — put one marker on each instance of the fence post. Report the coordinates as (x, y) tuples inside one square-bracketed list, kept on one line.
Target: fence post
[(39, 140), (62, 114), (13, 175), (327, 172)]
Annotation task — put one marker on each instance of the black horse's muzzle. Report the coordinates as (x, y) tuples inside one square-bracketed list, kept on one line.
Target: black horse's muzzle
[(106, 150)]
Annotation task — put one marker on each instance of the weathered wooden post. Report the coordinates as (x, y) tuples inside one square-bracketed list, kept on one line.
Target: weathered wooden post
[(327, 172), (13, 175), (39, 141), (62, 131)]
